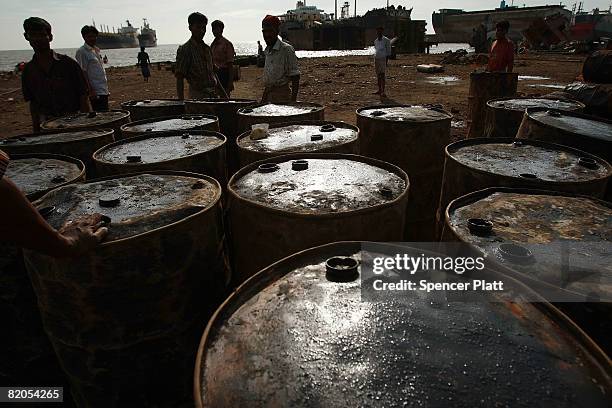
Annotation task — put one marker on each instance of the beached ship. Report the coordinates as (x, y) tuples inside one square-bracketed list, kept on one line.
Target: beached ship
[(124, 37), (458, 26), (591, 26), (147, 37)]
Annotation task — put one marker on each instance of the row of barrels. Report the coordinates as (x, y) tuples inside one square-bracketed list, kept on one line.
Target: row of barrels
[(164, 268)]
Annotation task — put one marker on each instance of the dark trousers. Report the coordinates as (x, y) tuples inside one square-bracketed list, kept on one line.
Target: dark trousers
[(224, 77), (99, 104)]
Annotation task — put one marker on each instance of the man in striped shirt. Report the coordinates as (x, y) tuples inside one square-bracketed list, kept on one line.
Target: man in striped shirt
[(23, 226)]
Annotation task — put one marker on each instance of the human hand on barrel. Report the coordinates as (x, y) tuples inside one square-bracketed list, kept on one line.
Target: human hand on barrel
[(84, 234)]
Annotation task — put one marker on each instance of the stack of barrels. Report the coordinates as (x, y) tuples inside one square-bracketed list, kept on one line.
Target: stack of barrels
[(214, 198)]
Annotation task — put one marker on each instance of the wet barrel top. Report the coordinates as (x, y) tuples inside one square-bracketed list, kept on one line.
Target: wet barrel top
[(135, 204), (292, 336), (299, 138), (35, 175), (405, 113), (272, 109), (548, 162), (155, 103), (217, 101), (48, 138), (520, 104), (82, 120), (574, 123), (327, 186), (178, 123), (535, 219), (159, 148)]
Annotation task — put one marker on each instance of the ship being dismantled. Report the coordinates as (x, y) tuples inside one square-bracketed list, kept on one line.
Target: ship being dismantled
[(126, 37)]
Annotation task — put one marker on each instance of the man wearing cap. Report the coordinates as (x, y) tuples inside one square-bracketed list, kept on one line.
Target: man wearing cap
[(281, 65), (53, 83)]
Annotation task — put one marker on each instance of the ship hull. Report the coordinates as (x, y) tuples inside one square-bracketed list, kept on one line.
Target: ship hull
[(147, 40), (107, 42)]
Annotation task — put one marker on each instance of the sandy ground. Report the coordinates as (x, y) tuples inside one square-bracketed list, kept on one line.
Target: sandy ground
[(342, 84)]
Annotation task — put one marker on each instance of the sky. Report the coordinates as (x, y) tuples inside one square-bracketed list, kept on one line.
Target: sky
[(242, 18)]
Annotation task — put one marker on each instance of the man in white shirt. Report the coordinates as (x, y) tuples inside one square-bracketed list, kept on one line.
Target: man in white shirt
[(281, 66), (382, 46), (90, 60)]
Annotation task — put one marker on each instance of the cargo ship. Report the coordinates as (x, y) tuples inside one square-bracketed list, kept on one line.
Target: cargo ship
[(458, 26), (312, 29), (147, 37), (124, 37), (591, 26)]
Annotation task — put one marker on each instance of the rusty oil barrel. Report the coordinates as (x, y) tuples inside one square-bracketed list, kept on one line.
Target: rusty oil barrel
[(181, 123), (78, 144), (197, 151), (112, 119), (413, 138), (288, 203), (299, 137), (504, 116), (557, 243), (476, 164), (154, 108), (295, 335), (278, 113), (124, 319), (485, 86)]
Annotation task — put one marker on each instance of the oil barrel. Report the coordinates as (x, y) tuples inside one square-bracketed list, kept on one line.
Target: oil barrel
[(504, 116), (557, 243), (299, 137), (288, 203), (179, 123), (80, 144), (227, 112), (124, 319), (278, 113), (485, 86), (112, 119), (197, 151), (153, 108), (293, 336), (413, 138), (588, 133), (38, 173), (480, 163)]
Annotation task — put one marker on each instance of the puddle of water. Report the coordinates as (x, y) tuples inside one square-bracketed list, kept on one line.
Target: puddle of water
[(532, 78), (554, 86), (442, 80), (458, 124)]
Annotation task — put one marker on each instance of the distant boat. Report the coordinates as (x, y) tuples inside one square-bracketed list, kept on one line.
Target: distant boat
[(125, 37), (592, 26), (147, 37)]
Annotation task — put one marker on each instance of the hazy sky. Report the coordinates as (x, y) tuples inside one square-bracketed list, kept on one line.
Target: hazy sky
[(169, 17)]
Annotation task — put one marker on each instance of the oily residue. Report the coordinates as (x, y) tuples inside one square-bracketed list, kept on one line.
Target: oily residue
[(405, 113), (578, 125), (178, 124), (156, 103), (46, 138), (509, 159), (162, 148), (272, 109), (520, 104), (85, 119), (146, 202), (327, 186), (297, 138), (38, 175)]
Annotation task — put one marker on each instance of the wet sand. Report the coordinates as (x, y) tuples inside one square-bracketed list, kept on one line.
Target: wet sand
[(342, 84)]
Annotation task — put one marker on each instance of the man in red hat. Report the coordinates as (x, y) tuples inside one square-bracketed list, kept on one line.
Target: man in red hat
[(281, 66)]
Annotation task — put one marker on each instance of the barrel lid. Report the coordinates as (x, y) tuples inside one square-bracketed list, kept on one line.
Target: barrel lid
[(573, 122), (520, 104), (59, 137), (408, 113), (218, 101), (301, 137), (531, 160), (273, 109), (155, 103), (318, 185), (164, 124), (35, 174), (135, 203), (541, 221), (160, 147), (291, 335), (91, 119)]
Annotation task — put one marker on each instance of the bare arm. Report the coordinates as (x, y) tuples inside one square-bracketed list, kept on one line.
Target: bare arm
[(295, 87), (35, 114), (85, 103), (180, 87)]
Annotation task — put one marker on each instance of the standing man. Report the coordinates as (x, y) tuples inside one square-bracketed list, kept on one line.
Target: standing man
[(52, 83), (223, 56), (501, 58), (144, 62), (194, 62), (90, 60), (382, 46), (281, 65)]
